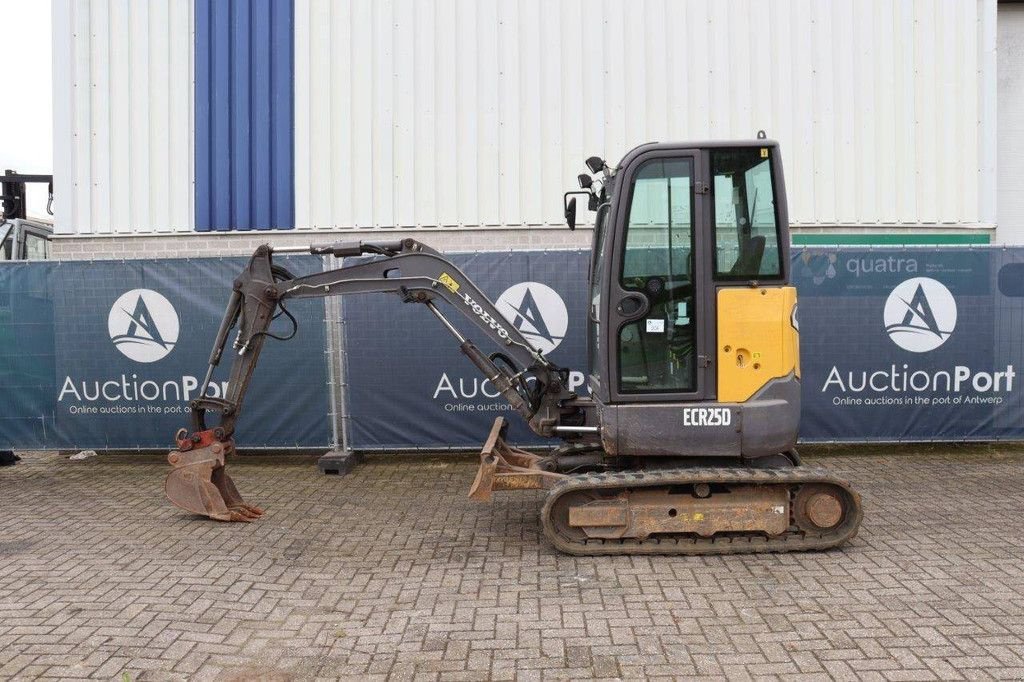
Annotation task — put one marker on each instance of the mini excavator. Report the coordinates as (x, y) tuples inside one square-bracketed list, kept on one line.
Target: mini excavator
[(686, 441)]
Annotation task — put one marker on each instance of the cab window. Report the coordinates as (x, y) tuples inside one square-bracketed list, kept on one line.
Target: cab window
[(596, 267), (746, 230), (657, 353), (37, 247), (6, 241)]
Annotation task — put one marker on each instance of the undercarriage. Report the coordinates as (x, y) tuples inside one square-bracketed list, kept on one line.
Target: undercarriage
[(685, 510)]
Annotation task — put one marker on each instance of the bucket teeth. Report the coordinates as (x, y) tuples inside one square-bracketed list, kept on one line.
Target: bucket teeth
[(198, 483)]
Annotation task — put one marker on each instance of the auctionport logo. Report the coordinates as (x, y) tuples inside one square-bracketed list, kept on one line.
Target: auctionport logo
[(920, 314), (537, 311), (540, 315), (143, 325)]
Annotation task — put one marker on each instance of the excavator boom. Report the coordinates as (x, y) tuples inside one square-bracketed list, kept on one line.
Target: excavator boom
[(535, 388)]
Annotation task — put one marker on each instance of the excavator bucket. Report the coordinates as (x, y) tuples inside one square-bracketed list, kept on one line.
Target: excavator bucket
[(199, 483)]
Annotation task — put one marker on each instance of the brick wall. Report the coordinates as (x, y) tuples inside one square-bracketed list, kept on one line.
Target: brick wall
[(445, 240), (244, 243)]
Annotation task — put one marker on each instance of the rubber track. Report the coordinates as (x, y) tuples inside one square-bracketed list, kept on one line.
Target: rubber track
[(794, 540)]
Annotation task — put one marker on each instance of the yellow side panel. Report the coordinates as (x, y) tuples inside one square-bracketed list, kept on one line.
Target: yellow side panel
[(757, 341)]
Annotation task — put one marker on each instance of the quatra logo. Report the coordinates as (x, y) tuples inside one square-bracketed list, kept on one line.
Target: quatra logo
[(143, 325), (537, 311), (817, 267), (920, 314)]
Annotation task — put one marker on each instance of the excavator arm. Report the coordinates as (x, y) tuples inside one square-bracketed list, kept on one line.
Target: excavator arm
[(535, 388)]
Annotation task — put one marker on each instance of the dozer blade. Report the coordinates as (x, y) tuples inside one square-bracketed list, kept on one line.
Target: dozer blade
[(199, 483), (503, 467)]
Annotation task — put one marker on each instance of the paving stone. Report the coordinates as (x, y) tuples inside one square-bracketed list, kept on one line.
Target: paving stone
[(391, 573)]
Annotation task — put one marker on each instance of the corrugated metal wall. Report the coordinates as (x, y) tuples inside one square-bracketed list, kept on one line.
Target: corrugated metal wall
[(244, 114), (480, 112), (1011, 124), (122, 116), (465, 112)]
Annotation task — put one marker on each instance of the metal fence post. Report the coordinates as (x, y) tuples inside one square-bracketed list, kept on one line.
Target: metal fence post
[(339, 459)]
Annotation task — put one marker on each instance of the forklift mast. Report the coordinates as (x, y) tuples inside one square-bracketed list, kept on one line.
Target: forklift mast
[(13, 194)]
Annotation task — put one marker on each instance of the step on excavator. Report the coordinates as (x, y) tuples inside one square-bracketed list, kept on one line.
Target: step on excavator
[(686, 441)]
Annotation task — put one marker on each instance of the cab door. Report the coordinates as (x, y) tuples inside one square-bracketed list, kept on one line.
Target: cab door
[(658, 311)]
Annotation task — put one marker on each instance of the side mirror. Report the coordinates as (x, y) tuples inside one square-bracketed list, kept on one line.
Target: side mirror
[(570, 207), (595, 164), (585, 180)]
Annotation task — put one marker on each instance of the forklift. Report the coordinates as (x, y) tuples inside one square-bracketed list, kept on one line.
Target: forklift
[(21, 237)]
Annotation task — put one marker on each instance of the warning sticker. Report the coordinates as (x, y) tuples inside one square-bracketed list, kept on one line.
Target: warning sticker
[(449, 282)]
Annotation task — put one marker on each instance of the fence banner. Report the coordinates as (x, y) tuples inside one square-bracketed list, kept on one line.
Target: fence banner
[(108, 354), (27, 355), (896, 344), (907, 344), (408, 384), (911, 344)]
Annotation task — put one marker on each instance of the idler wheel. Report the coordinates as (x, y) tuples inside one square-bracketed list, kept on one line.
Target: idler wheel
[(819, 508)]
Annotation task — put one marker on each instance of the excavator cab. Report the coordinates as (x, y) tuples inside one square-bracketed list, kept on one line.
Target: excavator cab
[(686, 441), (691, 312)]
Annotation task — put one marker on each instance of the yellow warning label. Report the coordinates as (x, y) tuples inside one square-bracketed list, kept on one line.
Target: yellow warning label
[(698, 516), (764, 152), (449, 282)]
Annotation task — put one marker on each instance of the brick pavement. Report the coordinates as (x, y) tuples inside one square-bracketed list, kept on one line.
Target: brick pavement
[(392, 573)]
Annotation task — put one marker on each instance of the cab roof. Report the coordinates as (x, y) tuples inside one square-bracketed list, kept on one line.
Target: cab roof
[(691, 146)]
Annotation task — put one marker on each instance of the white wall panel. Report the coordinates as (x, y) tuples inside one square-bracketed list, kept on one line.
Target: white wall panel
[(480, 112), (123, 111), (1011, 124)]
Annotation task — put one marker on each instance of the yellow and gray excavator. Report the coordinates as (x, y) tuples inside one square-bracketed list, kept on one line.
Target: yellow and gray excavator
[(686, 442)]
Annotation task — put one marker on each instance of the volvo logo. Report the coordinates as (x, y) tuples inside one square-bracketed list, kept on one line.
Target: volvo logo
[(920, 314), (537, 311), (143, 325)]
